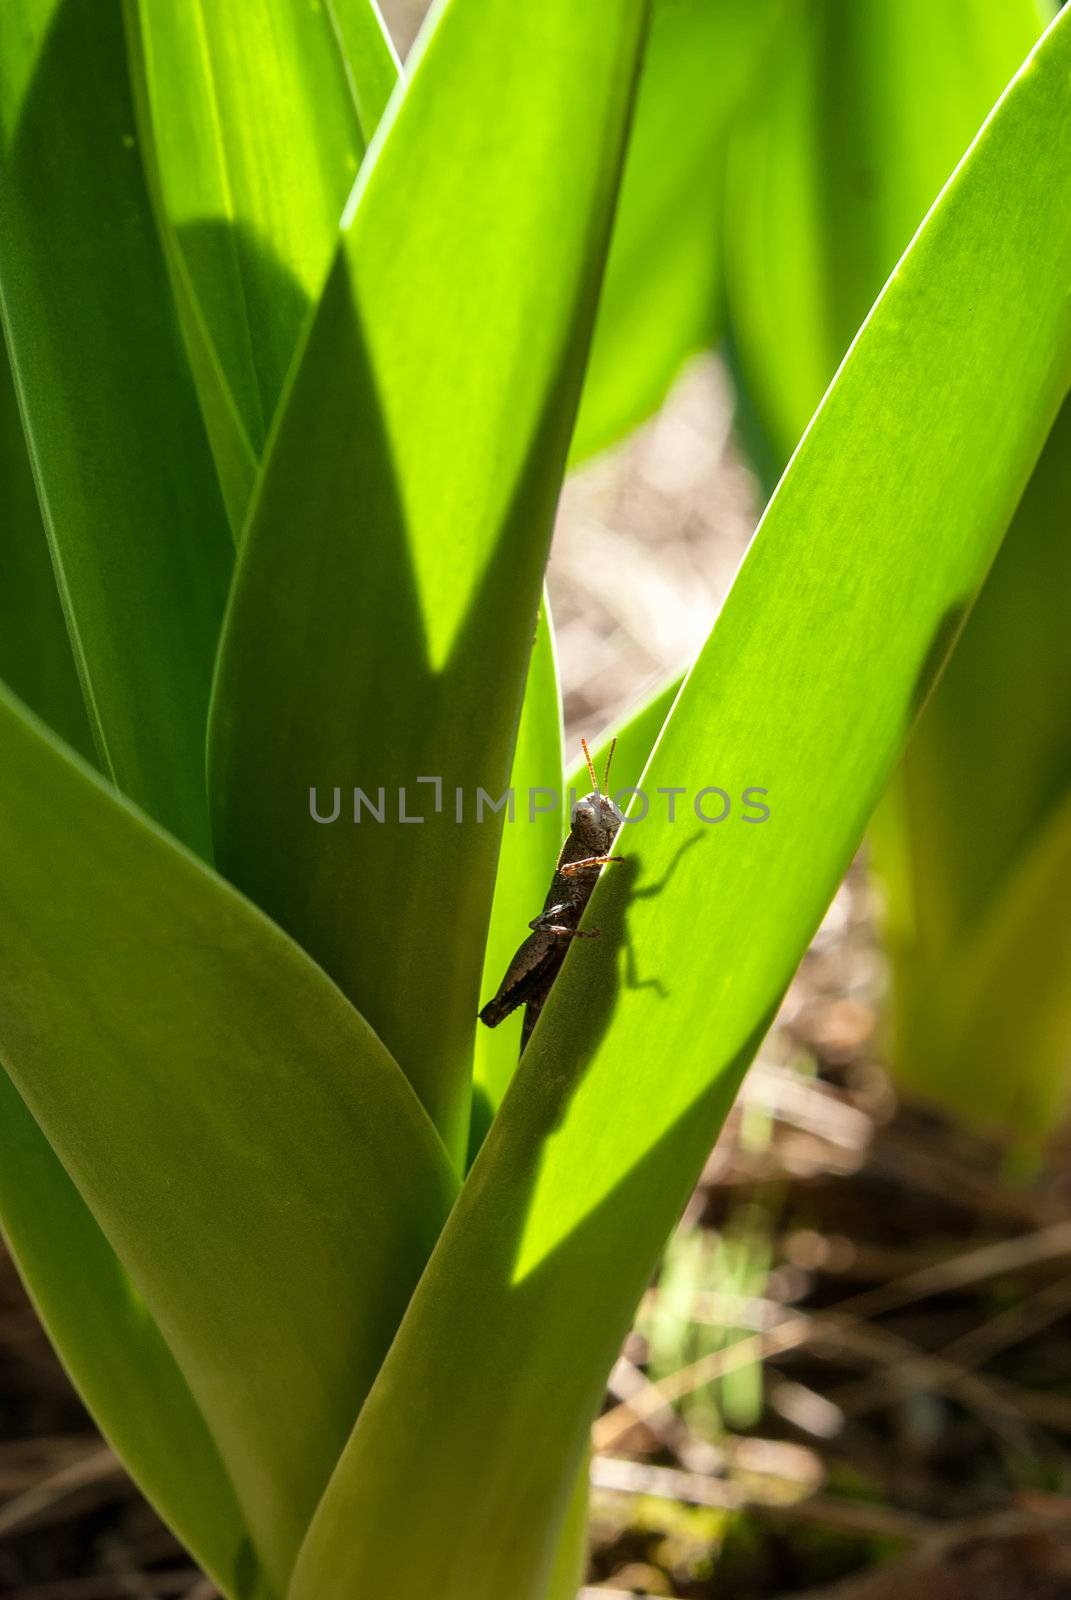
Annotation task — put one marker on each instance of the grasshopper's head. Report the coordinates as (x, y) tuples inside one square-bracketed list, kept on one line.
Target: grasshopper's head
[(596, 818)]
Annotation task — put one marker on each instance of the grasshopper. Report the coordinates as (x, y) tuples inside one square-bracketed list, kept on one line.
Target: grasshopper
[(531, 974)]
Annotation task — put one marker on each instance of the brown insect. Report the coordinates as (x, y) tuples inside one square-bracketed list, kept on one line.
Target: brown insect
[(595, 824)]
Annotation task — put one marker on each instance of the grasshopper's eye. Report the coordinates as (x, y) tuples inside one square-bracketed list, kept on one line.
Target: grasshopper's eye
[(584, 814)]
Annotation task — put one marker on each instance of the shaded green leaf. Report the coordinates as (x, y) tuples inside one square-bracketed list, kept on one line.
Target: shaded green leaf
[(35, 652), (996, 1001), (571, 1559), (966, 822), (109, 1343), (129, 496), (114, 1352), (251, 113), (251, 1152)]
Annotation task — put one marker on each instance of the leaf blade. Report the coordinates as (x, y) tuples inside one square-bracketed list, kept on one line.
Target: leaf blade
[(629, 1072), (447, 352), (318, 1173), (662, 296), (530, 846), (986, 776), (252, 116), (865, 114), (35, 652), (113, 1350), (111, 419)]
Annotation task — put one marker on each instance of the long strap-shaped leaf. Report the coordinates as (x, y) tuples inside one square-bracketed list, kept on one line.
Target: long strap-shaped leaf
[(368, 52), (385, 602), (879, 534), (127, 486), (662, 296), (252, 1153), (866, 110), (995, 1007), (531, 841), (35, 652), (114, 1351), (830, 183), (256, 115), (108, 1341), (974, 826)]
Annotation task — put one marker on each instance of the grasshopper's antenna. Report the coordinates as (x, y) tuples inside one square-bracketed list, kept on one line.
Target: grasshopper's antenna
[(609, 758), (591, 766)]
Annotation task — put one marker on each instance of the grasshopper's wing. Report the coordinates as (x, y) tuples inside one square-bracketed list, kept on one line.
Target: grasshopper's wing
[(529, 976)]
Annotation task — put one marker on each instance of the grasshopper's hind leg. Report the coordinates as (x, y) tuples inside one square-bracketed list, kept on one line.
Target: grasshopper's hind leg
[(532, 1012)]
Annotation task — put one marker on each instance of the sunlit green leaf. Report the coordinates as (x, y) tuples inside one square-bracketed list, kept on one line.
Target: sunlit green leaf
[(407, 501), (530, 845), (369, 55), (866, 111), (108, 1341), (814, 672)]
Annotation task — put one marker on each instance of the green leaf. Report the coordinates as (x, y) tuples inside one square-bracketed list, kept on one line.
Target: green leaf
[(401, 525), (371, 62), (991, 757), (992, 1003), (571, 1559), (838, 179), (661, 299), (251, 1152), (865, 111), (252, 113), (110, 1345), (831, 635), (114, 1352), (35, 652), (986, 776), (127, 487), (530, 845)]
